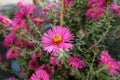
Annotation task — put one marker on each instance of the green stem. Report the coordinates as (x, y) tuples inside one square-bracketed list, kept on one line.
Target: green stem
[(88, 75), (103, 68)]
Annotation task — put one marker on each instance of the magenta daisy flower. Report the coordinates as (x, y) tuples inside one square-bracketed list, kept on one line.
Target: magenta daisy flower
[(33, 64), (5, 20), (112, 64), (96, 3), (56, 38), (40, 75), (12, 53), (9, 39), (94, 13), (76, 62), (115, 7)]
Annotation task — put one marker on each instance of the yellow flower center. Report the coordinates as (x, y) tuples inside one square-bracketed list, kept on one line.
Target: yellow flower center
[(41, 20), (7, 21), (57, 38), (38, 79)]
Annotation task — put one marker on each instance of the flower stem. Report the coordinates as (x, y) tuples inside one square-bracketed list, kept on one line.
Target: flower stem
[(62, 13)]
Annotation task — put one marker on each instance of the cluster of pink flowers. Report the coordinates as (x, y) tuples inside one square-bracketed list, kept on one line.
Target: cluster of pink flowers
[(96, 8), (51, 41), (107, 60)]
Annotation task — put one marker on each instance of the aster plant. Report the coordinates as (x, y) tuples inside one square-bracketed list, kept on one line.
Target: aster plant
[(61, 40)]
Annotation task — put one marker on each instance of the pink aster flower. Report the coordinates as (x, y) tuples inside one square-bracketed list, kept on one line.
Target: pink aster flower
[(96, 3), (5, 20), (47, 68), (40, 75), (44, 10), (106, 59), (21, 3), (94, 13), (18, 22), (76, 62), (57, 37), (115, 7), (25, 8), (118, 67), (35, 55), (12, 53), (33, 64), (8, 39), (12, 78), (52, 5)]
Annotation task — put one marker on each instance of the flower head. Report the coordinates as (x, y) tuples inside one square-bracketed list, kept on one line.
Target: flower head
[(12, 53), (40, 75), (106, 59), (76, 62), (33, 64), (12, 78), (52, 5), (94, 13), (9, 39), (96, 3), (57, 37), (116, 8), (35, 55), (47, 68), (5, 20)]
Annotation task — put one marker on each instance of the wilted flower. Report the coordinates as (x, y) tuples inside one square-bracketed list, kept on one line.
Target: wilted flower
[(57, 37)]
